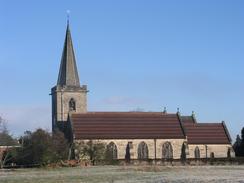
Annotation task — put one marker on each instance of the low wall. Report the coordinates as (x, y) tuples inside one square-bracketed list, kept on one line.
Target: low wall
[(178, 162)]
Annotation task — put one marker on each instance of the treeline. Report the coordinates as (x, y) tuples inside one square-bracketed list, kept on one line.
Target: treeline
[(37, 148), (239, 144), (40, 148), (5, 138)]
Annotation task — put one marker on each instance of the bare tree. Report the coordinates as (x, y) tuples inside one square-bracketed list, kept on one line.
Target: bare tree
[(7, 142), (2, 125), (5, 138)]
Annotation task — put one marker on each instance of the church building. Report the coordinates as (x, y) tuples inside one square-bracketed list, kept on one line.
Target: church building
[(138, 135)]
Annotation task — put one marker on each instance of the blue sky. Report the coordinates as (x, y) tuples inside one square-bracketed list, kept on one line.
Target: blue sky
[(131, 54)]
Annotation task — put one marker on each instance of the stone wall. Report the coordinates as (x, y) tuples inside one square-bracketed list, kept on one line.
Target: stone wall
[(151, 143), (219, 150), (61, 100)]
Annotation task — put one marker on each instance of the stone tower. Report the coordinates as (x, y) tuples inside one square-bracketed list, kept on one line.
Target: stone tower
[(67, 96)]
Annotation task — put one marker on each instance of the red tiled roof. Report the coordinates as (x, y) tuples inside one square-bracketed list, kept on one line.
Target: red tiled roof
[(126, 125), (206, 133)]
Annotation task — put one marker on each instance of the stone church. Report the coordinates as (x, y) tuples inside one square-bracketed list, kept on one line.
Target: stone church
[(138, 135)]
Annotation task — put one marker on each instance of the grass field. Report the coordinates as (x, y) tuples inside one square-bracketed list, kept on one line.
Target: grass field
[(119, 174)]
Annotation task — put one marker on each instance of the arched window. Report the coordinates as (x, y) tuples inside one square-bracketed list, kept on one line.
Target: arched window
[(197, 152), (183, 152), (167, 151), (212, 155), (111, 151), (142, 151), (72, 105)]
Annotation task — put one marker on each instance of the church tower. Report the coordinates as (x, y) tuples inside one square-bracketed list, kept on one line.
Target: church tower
[(67, 96)]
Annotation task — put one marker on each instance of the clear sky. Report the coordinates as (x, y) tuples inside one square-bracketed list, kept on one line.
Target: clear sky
[(132, 54)]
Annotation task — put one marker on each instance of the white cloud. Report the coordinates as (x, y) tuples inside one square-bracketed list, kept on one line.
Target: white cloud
[(22, 118)]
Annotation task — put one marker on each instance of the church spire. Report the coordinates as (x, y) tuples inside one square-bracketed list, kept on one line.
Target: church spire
[(68, 74)]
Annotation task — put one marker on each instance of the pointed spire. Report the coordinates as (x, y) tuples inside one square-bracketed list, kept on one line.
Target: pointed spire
[(68, 74)]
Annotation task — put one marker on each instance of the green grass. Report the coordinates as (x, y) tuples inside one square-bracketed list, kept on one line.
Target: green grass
[(121, 174)]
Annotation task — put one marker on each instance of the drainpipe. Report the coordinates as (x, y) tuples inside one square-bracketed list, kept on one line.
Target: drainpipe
[(155, 150), (62, 110), (206, 148)]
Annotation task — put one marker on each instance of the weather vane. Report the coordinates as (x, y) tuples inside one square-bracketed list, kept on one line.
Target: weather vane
[(68, 13)]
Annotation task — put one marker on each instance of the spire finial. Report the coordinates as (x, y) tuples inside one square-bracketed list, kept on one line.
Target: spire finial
[(178, 110), (68, 13), (165, 110)]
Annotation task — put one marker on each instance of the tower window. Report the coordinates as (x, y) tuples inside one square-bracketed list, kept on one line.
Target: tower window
[(72, 106)]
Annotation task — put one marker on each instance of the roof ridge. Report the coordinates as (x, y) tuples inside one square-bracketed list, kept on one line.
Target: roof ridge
[(122, 112), (216, 123), (226, 131)]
